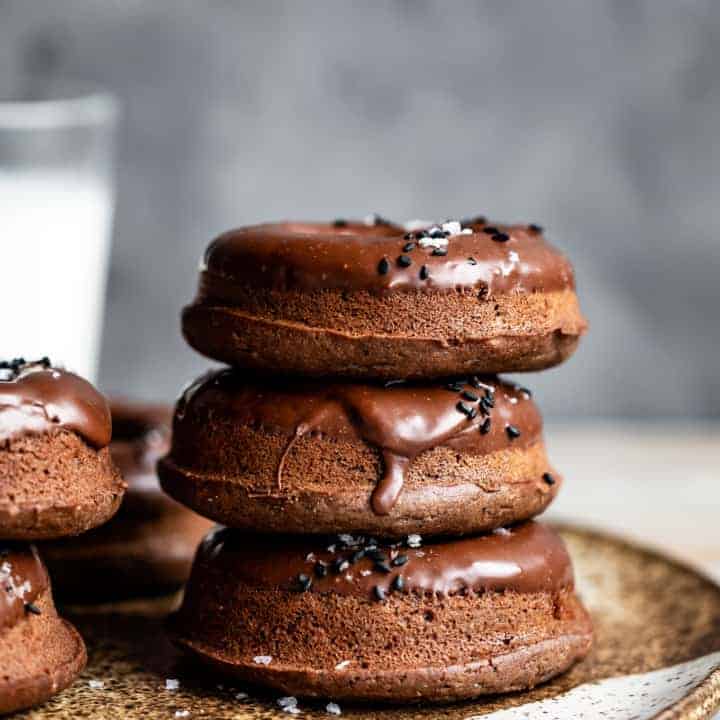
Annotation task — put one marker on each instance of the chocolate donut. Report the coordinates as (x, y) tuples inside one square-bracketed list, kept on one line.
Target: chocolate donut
[(40, 654), (373, 301), (299, 456), (56, 475), (352, 618), (148, 546)]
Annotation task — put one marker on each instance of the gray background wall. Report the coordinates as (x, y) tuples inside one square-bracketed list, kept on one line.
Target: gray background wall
[(599, 120)]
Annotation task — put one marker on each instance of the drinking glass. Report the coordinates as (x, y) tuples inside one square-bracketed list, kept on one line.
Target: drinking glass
[(56, 206)]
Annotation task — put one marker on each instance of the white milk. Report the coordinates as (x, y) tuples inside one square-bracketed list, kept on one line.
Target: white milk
[(54, 247)]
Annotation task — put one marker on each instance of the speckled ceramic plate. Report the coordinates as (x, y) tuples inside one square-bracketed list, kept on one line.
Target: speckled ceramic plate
[(657, 655)]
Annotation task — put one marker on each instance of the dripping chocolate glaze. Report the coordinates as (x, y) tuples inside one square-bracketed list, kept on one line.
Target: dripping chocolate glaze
[(39, 399), (315, 256), (526, 558), (22, 579), (401, 421)]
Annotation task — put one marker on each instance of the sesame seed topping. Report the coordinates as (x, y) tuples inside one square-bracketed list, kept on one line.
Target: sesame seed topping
[(490, 230), (384, 266), (333, 709), (262, 659), (548, 478), (33, 609), (172, 684), (454, 386), (470, 396), (485, 427), (320, 569), (400, 560), (532, 227), (398, 583), (339, 223), (501, 237), (472, 261), (305, 582), (465, 409), (512, 432), (382, 566), (379, 593), (440, 251), (409, 247), (424, 274), (404, 261)]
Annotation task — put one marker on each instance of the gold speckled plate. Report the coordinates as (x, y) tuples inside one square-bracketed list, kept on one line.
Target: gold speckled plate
[(657, 655)]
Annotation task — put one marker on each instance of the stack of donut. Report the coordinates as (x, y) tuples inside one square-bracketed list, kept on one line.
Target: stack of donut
[(375, 478), (57, 479)]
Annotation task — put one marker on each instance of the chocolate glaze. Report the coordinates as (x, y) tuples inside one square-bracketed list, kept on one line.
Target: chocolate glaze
[(37, 398), (22, 578), (526, 558), (401, 420), (312, 256)]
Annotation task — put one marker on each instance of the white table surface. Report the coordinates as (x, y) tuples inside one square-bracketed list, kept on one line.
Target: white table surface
[(658, 483)]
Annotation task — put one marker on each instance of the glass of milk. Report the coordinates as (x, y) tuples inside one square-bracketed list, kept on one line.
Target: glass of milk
[(56, 206)]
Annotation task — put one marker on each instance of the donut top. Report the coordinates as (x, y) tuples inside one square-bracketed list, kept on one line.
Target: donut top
[(352, 256), (36, 397), (526, 558), (401, 419), (22, 579)]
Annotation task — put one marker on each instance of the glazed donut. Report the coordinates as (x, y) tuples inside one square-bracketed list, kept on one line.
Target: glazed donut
[(56, 474), (287, 455), (352, 618), (374, 301), (40, 653)]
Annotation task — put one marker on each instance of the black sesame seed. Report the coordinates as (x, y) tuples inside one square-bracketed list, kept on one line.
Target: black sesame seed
[(421, 234), (470, 396), (382, 567), (34, 609), (490, 230), (398, 583), (472, 261), (454, 386), (409, 247), (485, 427), (408, 236), (340, 223), (424, 274), (320, 569), (404, 261), (523, 390), (305, 581), (357, 556), (535, 228), (548, 478), (400, 560), (512, 432), (488, 401), (384, 266), (376, 554), (501, 237), (379, 593), (440, 251), (437, 233), (466, 410), (340, 565)]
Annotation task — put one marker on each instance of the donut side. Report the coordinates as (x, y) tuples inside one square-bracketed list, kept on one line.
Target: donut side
[(414, 334), (54, 484), (327, 485)]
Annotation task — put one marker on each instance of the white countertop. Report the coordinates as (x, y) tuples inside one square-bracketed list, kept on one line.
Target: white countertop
[(654, 482)]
